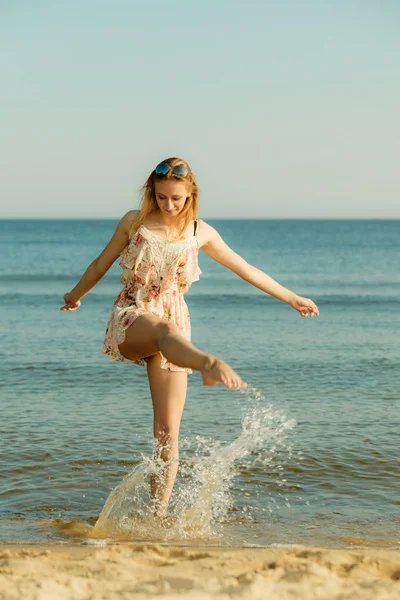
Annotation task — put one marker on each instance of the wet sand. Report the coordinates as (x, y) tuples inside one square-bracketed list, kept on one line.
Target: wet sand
[(144, 571)]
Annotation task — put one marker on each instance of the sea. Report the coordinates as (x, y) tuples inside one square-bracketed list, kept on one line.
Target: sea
[(308, 454)]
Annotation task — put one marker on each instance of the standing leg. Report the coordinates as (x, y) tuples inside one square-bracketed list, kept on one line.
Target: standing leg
[(168, 392)]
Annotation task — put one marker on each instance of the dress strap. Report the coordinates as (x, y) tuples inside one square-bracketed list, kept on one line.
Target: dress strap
[(195, 227)]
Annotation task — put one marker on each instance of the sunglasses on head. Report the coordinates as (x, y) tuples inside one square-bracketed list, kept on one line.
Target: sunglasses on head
[(164, 168)]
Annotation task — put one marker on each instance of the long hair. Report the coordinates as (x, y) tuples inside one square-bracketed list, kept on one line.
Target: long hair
[(148, 203)]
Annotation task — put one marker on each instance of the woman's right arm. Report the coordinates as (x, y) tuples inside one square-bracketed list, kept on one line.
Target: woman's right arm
[(100, 265)]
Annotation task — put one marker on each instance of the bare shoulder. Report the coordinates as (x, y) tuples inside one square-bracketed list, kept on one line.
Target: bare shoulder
[(205, 233), (117, 243), (212, 243), (128, 218)]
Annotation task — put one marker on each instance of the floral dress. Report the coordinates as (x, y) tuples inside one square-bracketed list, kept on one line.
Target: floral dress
[(156, 273)]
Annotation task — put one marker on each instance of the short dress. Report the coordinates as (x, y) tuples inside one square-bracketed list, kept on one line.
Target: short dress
[(156, 274)]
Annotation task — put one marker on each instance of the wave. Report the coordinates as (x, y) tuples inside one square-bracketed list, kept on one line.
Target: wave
[(215, 299), (40, 277), (320, 299), (309, 280)]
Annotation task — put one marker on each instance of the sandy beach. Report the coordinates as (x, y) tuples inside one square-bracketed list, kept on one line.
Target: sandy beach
[(146, 571)]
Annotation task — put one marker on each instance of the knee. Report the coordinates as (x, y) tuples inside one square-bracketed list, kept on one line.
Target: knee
[(166, 329)]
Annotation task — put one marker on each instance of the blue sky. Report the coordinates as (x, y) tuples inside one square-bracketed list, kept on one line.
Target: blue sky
[(284, 109)]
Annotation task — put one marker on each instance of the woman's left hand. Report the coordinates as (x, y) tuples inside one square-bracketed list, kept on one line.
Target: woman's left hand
[(304, 306)]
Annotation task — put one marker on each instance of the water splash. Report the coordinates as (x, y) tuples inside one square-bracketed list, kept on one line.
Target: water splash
[(201, 502)]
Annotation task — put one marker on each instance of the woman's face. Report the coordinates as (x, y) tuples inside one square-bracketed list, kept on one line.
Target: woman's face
[(171, 196)]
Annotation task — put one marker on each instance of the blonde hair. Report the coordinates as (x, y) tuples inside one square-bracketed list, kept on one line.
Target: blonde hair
[(149, 205)]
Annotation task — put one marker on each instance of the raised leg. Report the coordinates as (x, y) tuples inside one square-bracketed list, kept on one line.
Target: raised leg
[(168, 392), (149, 335)]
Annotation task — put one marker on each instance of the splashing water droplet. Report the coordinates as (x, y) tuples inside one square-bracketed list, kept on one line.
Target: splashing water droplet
[(201, 500)]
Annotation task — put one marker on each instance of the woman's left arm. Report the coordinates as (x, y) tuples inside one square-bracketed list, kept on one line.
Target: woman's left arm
[(212, 244)]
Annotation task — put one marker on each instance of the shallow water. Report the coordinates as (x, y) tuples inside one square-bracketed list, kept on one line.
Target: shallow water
[(74, 424)]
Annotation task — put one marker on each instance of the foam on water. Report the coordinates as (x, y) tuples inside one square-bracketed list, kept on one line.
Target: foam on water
[(201, 501)]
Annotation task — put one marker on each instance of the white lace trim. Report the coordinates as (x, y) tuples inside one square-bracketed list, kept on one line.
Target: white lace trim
[(165, 252)]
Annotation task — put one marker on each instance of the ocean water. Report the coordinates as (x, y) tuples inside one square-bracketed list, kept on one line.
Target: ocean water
[(309, 454)]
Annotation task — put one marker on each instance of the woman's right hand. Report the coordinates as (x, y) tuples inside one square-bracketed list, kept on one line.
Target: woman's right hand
[(70, 302)]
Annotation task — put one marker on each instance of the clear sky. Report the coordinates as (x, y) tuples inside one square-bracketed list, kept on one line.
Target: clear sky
[(283, 109)]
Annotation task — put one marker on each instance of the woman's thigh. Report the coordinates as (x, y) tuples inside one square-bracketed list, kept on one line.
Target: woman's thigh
[(168, 392), (141, 338)]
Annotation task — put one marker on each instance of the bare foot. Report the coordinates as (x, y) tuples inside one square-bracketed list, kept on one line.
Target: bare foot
[(218, 371)]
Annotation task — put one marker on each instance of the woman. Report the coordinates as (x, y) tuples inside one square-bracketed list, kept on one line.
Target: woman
[(149, 323)]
